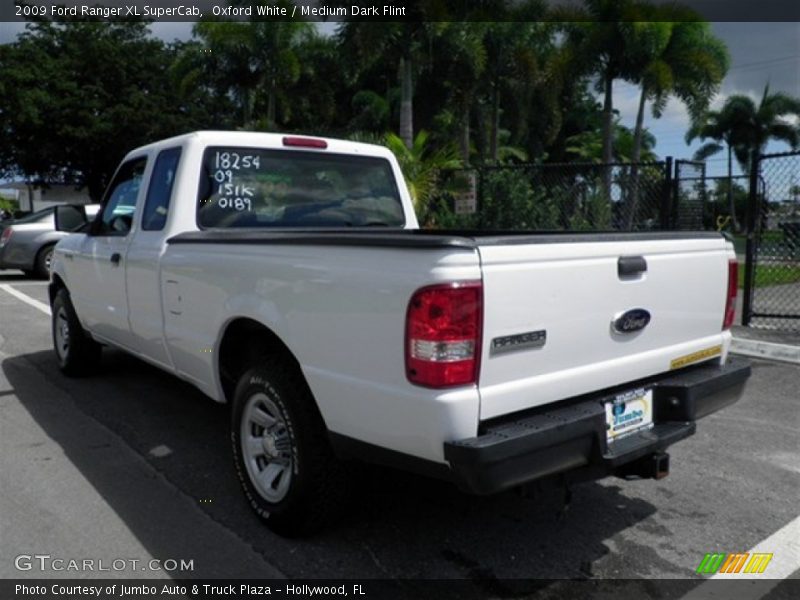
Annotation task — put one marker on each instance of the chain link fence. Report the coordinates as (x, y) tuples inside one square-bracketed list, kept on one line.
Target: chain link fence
[(554, 197), (724, 202), (772, 278), (690, 195)]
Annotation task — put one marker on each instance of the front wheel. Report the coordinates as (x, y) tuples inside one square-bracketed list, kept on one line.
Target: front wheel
[(77, 353), (282, 455)]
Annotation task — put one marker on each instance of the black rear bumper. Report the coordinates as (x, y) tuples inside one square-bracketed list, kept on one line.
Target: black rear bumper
[(526, 446)]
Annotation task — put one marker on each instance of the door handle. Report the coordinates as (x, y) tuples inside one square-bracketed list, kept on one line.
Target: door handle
[(115, 258), (629, 266), (69, 255)]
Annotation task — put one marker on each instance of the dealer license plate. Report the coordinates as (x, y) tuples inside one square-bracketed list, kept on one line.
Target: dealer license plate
[(629, 412)]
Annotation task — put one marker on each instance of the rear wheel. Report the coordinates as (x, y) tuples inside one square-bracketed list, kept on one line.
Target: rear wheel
[(43, 259), (282, 455), (76, 352)]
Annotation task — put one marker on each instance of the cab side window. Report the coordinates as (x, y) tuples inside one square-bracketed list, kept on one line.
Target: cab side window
[(120, 202), (156, 206)]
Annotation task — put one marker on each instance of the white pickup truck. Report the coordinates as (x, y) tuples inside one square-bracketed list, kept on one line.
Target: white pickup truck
[(287, 277)]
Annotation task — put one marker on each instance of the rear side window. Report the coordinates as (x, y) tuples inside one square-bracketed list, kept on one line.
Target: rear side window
[(251, 187), (120, 201), (156, 206), (40, 216)]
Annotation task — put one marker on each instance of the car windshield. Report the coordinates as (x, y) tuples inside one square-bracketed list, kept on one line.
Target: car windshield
[(247, 187)]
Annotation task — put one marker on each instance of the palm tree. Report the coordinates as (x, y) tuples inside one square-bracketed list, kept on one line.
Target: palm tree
[(604, 39), (252, 57), (720, 127), (463, 45), (689, 63), (403, 46), (516, 64), (745, 129), (680, 58)]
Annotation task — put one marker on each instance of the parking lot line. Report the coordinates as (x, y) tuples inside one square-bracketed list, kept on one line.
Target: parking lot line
[(783, 545), (30, 283), (25, 298)]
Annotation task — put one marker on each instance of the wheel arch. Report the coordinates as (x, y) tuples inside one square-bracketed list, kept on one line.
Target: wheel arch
[(243, 341), (56, 283), (45, 246)]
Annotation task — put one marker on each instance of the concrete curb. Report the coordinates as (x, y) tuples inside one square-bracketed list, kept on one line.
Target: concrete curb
[(768, 350)]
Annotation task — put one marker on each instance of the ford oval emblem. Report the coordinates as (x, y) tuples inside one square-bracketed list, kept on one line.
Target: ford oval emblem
[(630, 321)]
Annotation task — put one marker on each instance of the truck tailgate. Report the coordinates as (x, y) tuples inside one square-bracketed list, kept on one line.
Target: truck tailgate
[(550, 309)]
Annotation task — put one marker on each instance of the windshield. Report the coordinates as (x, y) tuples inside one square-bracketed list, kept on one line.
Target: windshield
[(246, 187)]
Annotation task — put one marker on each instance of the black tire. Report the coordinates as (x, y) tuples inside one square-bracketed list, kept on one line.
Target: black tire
[(42, 266), (77, 354), (316, 483)]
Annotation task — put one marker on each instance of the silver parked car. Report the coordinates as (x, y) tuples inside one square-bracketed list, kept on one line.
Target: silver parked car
[(27, 243)]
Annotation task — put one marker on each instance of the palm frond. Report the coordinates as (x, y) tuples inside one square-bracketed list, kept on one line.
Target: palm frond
[(786, 133), (706, 150)]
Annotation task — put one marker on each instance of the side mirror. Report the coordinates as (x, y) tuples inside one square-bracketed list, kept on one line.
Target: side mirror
[(70, 217)]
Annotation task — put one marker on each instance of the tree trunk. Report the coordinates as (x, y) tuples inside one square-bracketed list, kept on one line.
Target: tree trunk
[(494, 142), (731, 203), (406, 102), (464, 138), (608, 120), (636, 152), (271, 109), (608, 134), (638, 131), (247, 107), (29, 184)]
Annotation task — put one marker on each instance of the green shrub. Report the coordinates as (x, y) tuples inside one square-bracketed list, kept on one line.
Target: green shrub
[(508, 201), (10, 206)]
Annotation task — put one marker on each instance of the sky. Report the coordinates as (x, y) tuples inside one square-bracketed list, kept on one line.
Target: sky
[(761, 53)]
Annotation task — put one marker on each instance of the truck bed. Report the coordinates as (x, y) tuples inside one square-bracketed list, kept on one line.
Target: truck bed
[(564, 289)]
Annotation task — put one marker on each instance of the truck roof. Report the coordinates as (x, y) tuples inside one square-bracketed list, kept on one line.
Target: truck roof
[(258, 139)]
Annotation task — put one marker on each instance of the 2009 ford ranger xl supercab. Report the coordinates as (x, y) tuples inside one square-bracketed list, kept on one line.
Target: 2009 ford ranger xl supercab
[(287, 277)]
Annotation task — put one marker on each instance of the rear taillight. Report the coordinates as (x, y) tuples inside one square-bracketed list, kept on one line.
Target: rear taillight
[(6, 236), (730, 300), (443, 335)]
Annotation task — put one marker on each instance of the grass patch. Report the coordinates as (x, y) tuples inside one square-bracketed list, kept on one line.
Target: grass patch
[(739, 244), (767, 275), (767, 238)]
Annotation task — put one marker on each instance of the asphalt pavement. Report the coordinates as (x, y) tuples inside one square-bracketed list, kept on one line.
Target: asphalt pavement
[(133, 463)]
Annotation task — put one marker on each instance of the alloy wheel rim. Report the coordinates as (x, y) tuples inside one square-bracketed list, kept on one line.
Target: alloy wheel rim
[(266, 447), (62, 333)]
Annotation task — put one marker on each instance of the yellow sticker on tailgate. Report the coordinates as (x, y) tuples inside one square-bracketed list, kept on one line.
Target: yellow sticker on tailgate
[(694, 357)]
